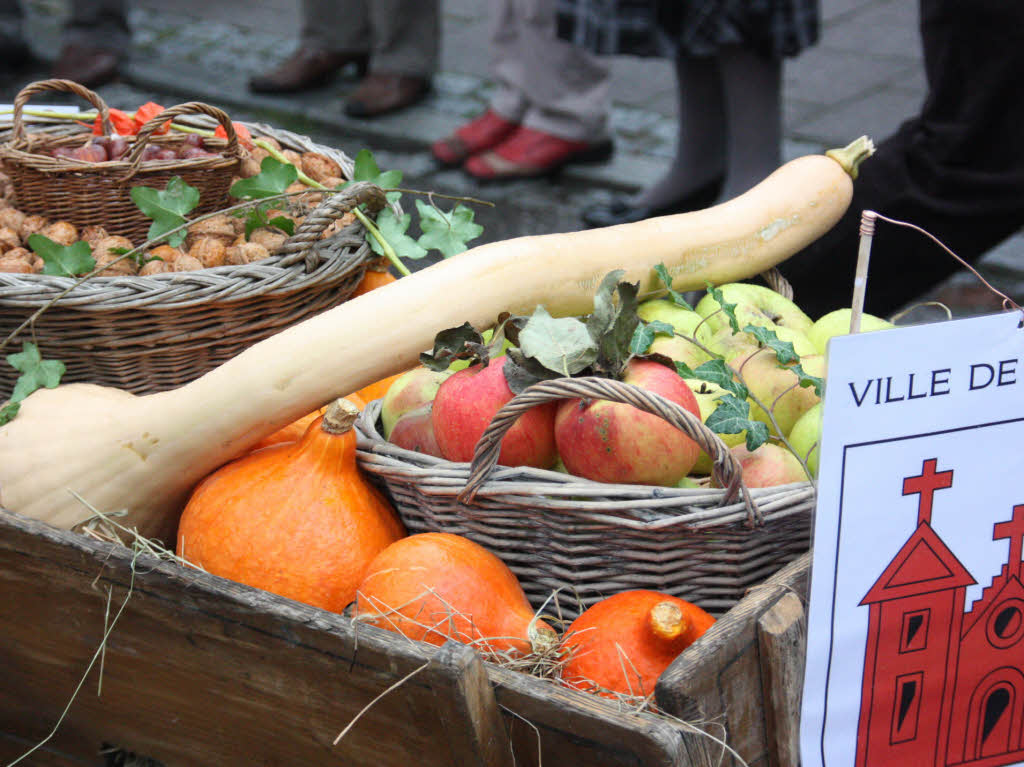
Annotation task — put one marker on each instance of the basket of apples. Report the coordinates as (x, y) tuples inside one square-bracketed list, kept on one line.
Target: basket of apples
[(649, 445), (88, 179)]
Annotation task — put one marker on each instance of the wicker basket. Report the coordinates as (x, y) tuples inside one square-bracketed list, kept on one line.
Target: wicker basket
[(87, 193), (586, 540), (148, 334)]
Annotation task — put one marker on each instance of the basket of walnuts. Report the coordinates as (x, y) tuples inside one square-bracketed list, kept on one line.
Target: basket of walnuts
[(159, 313)]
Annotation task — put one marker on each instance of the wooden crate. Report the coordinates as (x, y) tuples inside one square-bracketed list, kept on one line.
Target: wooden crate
[(198, 670)]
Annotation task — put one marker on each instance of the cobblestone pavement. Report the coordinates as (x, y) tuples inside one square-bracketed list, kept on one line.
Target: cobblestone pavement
[(864, 76)]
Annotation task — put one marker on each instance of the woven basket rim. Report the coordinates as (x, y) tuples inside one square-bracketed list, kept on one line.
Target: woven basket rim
[(221, 283)]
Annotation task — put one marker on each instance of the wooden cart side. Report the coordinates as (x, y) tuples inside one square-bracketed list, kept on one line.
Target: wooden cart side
[(720, 682), (201, 670)]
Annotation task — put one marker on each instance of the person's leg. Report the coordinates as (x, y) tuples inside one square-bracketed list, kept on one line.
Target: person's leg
[(331, 37), (403, 59)]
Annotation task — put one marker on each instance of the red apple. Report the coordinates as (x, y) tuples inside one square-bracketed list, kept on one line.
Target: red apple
[(769, 465), (414, 430), (613, 442), (466, 402)]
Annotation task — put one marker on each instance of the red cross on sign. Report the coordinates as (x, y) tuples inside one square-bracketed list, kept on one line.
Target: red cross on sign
[(1014, 530), (926, 484)]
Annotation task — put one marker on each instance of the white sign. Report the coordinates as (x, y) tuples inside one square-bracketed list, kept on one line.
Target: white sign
[(915, 647)]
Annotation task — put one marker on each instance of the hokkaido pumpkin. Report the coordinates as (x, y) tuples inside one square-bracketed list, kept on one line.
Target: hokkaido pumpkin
[(296, 519), (378, 389), (439, 586), (623, 643), (373, 279)]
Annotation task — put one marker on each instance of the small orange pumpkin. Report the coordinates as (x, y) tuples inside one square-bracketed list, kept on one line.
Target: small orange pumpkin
[(623, 643), (373, 279), (378, 389), (297, 519), (439, 586)]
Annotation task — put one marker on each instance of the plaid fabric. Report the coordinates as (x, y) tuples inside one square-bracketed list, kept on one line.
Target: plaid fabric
[(774, 28)]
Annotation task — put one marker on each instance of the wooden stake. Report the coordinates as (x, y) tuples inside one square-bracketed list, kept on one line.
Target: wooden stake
[(860, 280)]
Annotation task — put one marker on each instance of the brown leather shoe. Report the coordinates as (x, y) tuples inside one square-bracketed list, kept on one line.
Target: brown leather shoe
[(86, 65), (306, 68), (383, 92)]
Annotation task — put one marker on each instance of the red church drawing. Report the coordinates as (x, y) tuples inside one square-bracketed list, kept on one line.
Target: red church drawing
[(943, 685)]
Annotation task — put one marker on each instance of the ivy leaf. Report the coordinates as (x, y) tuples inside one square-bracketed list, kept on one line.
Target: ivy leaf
[(447, 232), (784, 350), (167, 208), (463, 342), (673, 295), (393, 229), (256, 219), (560, 345), (8, 411), (645, 334), (806, 379), (613, 323), (36, 373), (728, 309), (62, 260), (274, 178), (717, 372), (365, 169), (283, 223), (732, 416)]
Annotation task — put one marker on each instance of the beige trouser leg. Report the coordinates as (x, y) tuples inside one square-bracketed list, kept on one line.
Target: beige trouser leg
[(402, 36), (542, 81)]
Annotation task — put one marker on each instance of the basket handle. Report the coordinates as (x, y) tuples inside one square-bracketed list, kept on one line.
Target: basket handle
[(725, 467), (134, 157), (18, 135), (303, 244), (773, 277)]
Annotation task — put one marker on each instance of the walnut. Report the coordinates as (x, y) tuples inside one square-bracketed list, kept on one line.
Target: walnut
[(332, 182), (155, 267), (61, 232), (269, 140), (93, 233), (12, 218), (249, 167), (268, 238), (246, 253), (33, 225), (338, 224), (293, 157), (258, 154), (187, 263), (14, 265), (104, 252), (209, 251), (9, 239), (220, 226), (166, 253), (319, 167)]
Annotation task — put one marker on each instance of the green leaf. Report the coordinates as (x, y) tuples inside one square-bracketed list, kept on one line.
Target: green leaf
[(8, 411), (274, 178), (784, 350), (806, 379), (718, 372), (666, 280), (167, 208), (257, 218), (463, 342), (727, 308), (613, 323), (283, 223), (62, 260), (393, 229), (366, 169), (446, 232), (561, 345), (732, 416), (645, 334), (36, 373)]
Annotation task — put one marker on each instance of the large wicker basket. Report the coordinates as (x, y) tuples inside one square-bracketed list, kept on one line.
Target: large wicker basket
[(586, 540), (86, 193), (147, 334)]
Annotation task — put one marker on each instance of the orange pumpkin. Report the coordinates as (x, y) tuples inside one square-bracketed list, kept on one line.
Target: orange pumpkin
[(293, 432), (623, 643), (373, 279), (297, 519), (439, 586), (378, 389)]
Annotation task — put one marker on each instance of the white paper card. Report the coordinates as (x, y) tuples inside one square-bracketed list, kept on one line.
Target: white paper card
[(915, 648)]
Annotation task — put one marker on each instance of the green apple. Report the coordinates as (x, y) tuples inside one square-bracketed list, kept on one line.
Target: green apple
[(773, 384), (687, 324), (837, 323), (707, 395), (755, 305), (679, 349), (411, 390), (805, 437), (688, 483), (730, 345)]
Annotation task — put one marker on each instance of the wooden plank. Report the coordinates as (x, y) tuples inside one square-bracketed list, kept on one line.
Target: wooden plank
[(199, 664), (782, 642), (716, 683), (473, 726)]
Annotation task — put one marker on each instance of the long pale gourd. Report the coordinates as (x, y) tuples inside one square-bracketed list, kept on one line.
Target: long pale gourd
[(142, 455)]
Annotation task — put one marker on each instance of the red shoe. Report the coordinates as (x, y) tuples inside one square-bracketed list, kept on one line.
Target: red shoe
[(485, 132), (528, 152)]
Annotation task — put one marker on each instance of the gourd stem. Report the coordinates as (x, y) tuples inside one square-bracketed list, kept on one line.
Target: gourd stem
[(666, 621), (340, 417), (853, 154)]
